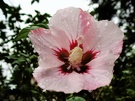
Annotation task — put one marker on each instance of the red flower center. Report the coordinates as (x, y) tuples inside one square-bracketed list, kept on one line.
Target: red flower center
[(80, 67)]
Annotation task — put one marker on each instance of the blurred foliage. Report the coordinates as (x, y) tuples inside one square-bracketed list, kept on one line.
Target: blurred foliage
[(22, 59)]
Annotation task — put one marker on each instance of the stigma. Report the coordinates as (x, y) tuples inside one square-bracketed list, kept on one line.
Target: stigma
[(75, 56)]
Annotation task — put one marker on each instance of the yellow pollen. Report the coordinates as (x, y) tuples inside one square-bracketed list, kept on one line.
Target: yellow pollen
[(75, 56)]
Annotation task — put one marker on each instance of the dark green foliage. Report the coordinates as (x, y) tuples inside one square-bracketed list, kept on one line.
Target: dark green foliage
[(76, 99), (23, 60)]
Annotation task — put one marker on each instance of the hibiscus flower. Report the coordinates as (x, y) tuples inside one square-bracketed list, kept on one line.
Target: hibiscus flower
[(76, 52)]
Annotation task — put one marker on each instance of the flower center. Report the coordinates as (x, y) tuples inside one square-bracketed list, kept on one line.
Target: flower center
[(75, 56)]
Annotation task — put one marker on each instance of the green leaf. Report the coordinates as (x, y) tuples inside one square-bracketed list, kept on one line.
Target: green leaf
[(35, 92), (19, 60), (12, 57), (42, 25), (76, 99), (130, 91), (24, 32)]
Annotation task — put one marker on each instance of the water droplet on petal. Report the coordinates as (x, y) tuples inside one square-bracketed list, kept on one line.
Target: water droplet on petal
[(110, 63), (46, 80), (99, 36), (98, 54), (96, 79), (66, 87), (99, 46), (80, 16), (44, 58), (88, 23), (106, 24), (54, 79), (97, 30), (39, 39), (107, 74)]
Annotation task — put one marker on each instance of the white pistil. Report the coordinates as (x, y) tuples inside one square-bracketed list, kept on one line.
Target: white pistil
[(80, 40), (68, 67), (78, 68)]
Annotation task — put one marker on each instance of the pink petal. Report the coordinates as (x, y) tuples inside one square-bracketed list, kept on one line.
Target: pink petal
[(65, 21), (61, 39), (49, 61), (42, 38), (88, 30), (44, 45), (66, 26), (71, 23), (110, 37), (92, 82), (106, 59), (52, 79), (101, 72)]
